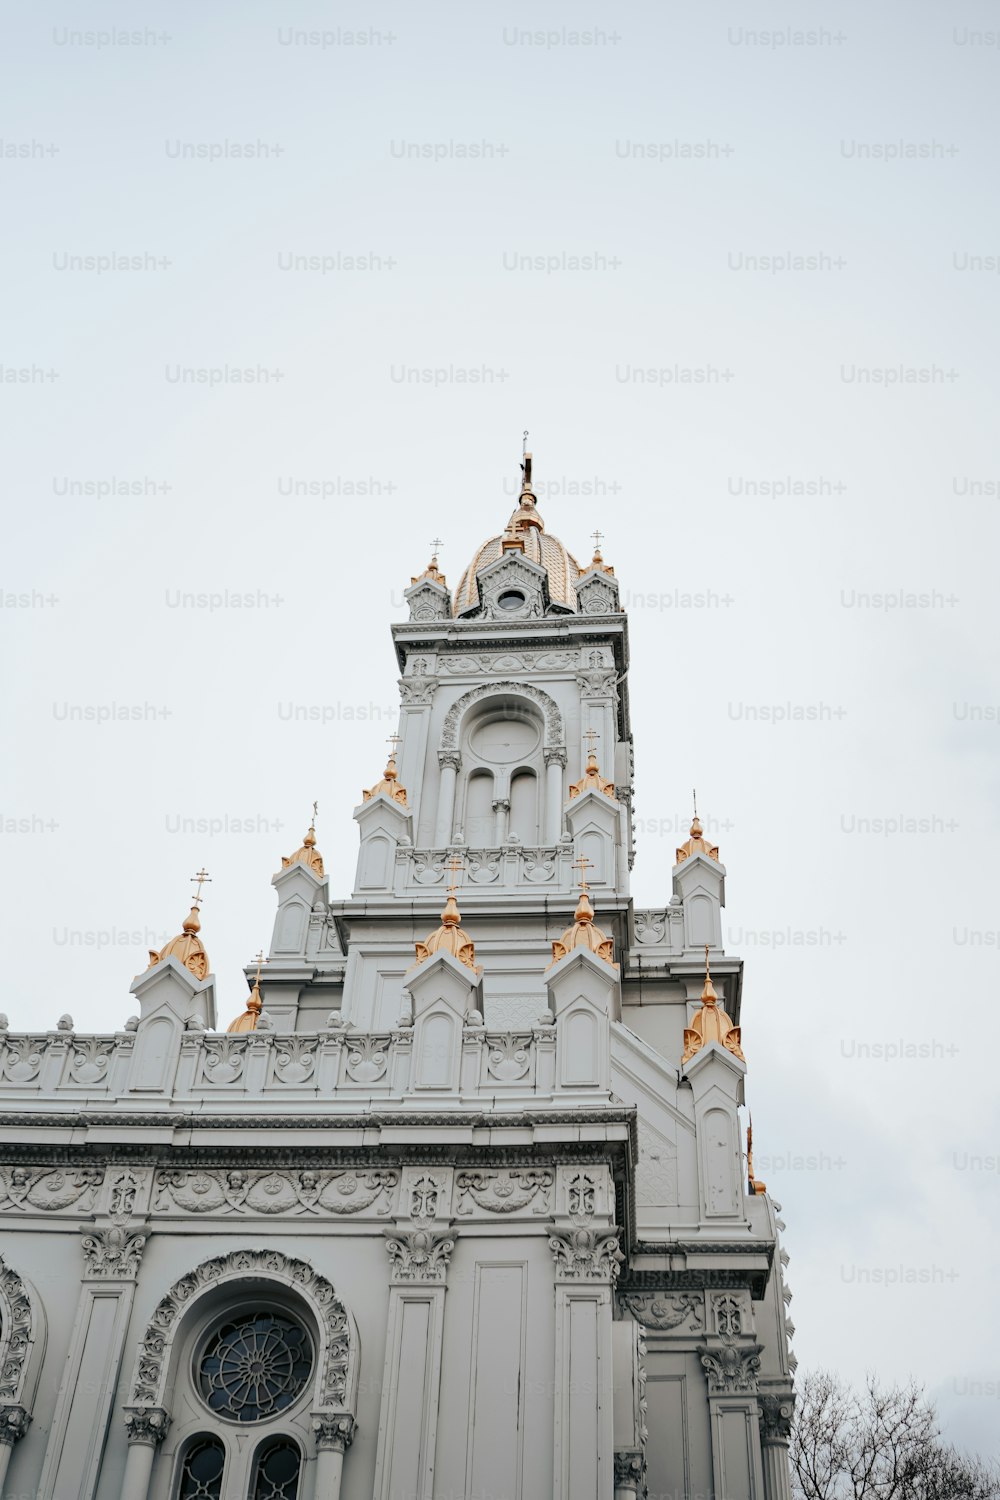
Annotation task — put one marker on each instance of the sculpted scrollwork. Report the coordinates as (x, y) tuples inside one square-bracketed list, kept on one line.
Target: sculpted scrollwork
[(654, 1310), (147, 1426), (224, 1058), (731, 1366), (338, 1352), (274, 1192), (508, 1057), (91, 1059), (504, 1191), (22, 1058), (113, 1253), (650, 926), (48, 1189), (548, 706), (15, 1333), (776, 1412), (334, 1430), (295, 1059), (367, 1058)]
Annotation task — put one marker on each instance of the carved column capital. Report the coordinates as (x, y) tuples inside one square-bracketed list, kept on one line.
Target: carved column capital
[(450, 759), (730, 1367), (113, 1253), (555, 755), (146, 1425), (334, 1430), (14, 1423), (586, 1255), (501, 804), (630, 1470), (776, 1413), (420, 1255)]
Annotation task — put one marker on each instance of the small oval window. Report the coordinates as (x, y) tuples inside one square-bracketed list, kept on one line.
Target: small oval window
[(512, 599)]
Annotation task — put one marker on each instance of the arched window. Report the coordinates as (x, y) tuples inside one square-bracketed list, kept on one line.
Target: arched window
[(479, 808), (524, 806), (202, 1467), (276, 1471)]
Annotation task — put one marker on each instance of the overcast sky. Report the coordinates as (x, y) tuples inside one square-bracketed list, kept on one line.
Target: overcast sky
[(707, 254)]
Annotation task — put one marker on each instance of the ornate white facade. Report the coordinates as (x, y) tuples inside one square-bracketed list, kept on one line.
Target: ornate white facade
[(462, 1229)]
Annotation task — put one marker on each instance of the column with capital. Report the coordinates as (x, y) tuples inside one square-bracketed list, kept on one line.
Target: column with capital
[(14, 1422), (334, 1434), (450, 762), (775, 1438), (555, 765), (146, 1427), (587, 1262), (501, 816)]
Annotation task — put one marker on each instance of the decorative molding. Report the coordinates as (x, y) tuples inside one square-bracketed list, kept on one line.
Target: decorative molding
[(776, 1413), (420, 1255), (91, 1059), (49, 1189), (468, 663), (14, 1423), (223, 1058), (338, 1355), (273, 1192), (549, 707), (367, 1058), (16, 1334), (508, 1057), (334, 1430), (146, 1425), (507, 1191), (113, 1254), (586, 1255), (664, 1312), (295, 1059), (650, 926), (22, 1058)]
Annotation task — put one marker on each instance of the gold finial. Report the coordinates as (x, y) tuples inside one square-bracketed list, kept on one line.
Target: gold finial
[(308, 855), (432, 571), (752, 1183), (592, 780), (710, 1023), (597, 561), (390, 777), (526, 514), (584, 933), (449, 936), (255, 1004), (188, 947), (697, 843)]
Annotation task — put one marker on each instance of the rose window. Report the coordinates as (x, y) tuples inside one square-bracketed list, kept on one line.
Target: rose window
[(255, 1367)]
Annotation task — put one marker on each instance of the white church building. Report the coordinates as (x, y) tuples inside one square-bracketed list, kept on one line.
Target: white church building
[(459, 1208)]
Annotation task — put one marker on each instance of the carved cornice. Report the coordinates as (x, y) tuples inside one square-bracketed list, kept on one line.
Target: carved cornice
[(334, 1430), (586, 1255), (146, 1425), (420, 1255)]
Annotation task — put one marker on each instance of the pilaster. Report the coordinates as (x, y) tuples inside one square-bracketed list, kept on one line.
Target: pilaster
[(587, 1262)]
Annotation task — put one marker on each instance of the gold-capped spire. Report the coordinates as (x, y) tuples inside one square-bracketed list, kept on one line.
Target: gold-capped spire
[(752, 1183), (584, 933), (390, 778), (248, 1020), (527, 510), (592, 780), (598, 560), (711, 1023), (308, 855), (450, 937), (432, 571), (187, 947), (697, 843)]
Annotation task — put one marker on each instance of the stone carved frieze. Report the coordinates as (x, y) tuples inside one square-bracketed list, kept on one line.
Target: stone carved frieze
[(508, 1057), (663, 1312), (113, 1253), (15, 1333), (49, 1189), (506, 1191), (467, 663), (274, 1192), (154, 1352), (22, 1058), (586, 1255), (420, 1256), (91, 1058)]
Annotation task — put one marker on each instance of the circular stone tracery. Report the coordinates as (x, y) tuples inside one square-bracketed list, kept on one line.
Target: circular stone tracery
[(253, 1368)]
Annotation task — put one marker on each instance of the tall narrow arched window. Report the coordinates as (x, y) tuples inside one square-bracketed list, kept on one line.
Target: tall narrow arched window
[(276, 1471), (524, 806), (202, 1468), (479, 808)]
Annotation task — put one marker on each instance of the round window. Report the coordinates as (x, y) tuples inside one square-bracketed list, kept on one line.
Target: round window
[(254, 1367), (511, 599)]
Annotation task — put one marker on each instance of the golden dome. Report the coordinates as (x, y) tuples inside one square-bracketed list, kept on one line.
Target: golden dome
[(248, 1020), (592, 780), (308, 855), (450, 938), (711, 1024), (187, 948), (583, 934), (524, 527), (697, 844), (389, 785)]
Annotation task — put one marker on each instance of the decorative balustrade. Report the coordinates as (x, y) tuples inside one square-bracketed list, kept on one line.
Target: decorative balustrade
[(512, 864)]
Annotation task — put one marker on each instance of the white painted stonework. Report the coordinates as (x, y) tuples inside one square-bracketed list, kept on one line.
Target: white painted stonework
[(511, 1239)]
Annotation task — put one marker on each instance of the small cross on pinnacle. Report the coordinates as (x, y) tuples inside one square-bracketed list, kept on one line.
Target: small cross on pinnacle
[(315, 811), (260, 961), (436, 545), (454, 865), (583, 864), (591, 735), (598, 539), (201, 878), (392, 741)]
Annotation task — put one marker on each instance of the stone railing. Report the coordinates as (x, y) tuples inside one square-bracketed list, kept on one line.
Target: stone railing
[(510, 865)]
